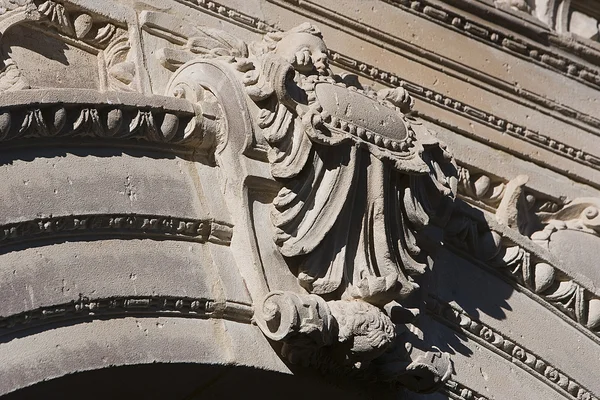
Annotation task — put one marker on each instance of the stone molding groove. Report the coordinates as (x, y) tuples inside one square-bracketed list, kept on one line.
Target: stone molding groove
[(508, 349), (120, 307), (547, 30), (117, 225), (438, 99)]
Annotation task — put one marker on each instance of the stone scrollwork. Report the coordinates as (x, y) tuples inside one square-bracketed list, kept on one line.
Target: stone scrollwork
[(349, 336), (307, 323), (552, 265), (360, 178), (11, 77), (569, 234)]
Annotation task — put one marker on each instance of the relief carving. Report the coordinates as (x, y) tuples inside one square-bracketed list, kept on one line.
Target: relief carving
[(556, 264), (98, 45), (188, 307), (117, 225), (338, 149), (134, 117), (360, 179), (572, 234), (11, 77), (79, 25)]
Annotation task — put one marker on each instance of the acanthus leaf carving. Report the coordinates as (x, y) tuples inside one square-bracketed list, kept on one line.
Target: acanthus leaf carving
[(192, 42), (121, 71), (11, 77), (575, 226), (56, 14), (177, 123)]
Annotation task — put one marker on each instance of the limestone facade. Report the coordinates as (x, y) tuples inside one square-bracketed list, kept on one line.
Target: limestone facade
[(300, 199)]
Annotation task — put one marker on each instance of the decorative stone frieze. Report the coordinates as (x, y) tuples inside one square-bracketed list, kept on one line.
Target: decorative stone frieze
[(553, 272), (68, 113), (117, 225), (122, 307)]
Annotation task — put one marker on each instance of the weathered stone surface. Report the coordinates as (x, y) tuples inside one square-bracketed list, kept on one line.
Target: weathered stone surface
[(293, 199)]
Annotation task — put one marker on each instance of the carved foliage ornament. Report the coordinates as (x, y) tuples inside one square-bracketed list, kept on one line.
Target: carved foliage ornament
[(359, 176), (360, 179)]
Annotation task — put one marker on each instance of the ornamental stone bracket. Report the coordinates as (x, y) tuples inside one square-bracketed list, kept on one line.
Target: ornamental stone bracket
[(337, 196), (334, 148)]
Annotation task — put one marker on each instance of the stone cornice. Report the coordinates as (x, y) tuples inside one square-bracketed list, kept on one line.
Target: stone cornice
[(530, 27), (509, 349), (533, 48), (62, 113), (478, 78), (438, 99), (424, 56)]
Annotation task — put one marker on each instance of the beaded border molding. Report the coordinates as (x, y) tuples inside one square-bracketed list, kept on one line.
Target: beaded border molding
[(508, 349)]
